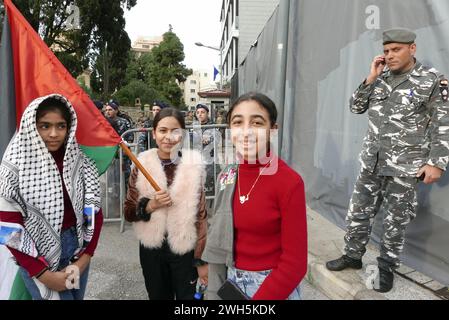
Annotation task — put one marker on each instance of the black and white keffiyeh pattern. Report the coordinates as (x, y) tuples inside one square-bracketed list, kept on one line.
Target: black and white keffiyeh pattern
[(30, 179)]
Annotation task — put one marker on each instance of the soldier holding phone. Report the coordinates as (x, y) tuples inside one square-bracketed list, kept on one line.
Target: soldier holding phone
[(407, 139)]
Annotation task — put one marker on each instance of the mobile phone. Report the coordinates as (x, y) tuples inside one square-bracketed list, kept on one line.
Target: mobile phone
[(230, 291)]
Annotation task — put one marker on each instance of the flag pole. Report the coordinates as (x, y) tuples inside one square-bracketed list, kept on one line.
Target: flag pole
[(133, 158)]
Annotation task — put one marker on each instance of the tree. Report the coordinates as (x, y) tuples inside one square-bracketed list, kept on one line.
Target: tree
[(50, 19), (99, 31), (135, 89), (110, 41), (164, 69), (136, 67)]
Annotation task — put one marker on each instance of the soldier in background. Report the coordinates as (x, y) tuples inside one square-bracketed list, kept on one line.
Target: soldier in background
[(141, 120), (121, 125), (143, 142), (208, 142), (407, 140), (121, 113)]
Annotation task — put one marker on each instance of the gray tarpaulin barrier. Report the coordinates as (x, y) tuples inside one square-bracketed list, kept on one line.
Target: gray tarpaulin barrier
[(310, 57)]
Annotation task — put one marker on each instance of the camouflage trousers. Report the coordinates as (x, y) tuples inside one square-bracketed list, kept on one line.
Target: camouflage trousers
[(398, 199)]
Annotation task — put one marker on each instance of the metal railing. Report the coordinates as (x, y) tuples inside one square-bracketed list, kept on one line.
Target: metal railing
[(134, 146)]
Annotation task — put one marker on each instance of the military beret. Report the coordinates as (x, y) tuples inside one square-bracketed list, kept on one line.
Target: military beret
[(202, 106), (160, 104), (113, 105), (398, 36), (98, 104)]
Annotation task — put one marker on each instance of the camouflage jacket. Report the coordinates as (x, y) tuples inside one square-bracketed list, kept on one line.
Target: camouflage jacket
[(408, 125), (205, 141), (142, 140), (122, 125)]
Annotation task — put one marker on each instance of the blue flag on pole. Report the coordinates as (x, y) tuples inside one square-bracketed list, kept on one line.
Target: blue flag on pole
[(216, 72)]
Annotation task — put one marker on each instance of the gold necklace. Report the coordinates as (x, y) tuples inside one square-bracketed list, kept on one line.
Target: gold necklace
[(245, 198)]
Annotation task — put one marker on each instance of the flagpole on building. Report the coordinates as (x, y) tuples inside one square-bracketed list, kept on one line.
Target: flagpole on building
[(133, 158), (199, 44)]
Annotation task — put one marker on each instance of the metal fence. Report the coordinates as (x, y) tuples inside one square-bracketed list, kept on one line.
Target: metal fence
[(113, 180)]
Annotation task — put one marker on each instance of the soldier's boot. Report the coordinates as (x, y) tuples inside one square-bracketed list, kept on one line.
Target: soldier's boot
[(344, 262), (385, 281)]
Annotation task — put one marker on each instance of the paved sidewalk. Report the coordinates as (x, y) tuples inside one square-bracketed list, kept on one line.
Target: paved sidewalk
[(326, 243), (115, 272)]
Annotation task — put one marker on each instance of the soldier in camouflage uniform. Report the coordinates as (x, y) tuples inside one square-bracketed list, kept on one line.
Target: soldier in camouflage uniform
[(121, 125), (143, 136), (407, 140), (206, 140)]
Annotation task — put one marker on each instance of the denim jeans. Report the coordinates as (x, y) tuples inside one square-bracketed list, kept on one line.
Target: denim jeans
[(250, 281), (69, 243)]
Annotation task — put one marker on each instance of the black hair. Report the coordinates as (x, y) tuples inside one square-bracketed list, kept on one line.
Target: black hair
[(53, 104), (169, 112), (261, 99)]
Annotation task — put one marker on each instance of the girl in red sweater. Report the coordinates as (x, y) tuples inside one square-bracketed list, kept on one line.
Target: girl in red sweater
[(258, 231)]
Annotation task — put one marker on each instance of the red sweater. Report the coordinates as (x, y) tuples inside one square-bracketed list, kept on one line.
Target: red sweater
[(270, 229), (33, 265)]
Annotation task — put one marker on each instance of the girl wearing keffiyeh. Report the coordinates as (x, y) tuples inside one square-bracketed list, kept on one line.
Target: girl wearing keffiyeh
[(49, 202)]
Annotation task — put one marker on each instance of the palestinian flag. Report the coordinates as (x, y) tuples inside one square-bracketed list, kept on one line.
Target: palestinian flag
[(28, 70), (11, 283)]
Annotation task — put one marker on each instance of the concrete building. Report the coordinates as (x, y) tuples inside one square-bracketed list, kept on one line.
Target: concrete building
[(217, 100), (199, 80), (145, 44), (241, 23)]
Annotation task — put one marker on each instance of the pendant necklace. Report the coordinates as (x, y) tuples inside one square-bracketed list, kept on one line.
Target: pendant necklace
[(244, 198)]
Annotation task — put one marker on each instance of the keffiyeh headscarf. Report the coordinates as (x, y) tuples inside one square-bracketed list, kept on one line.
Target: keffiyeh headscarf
[(30, 181)]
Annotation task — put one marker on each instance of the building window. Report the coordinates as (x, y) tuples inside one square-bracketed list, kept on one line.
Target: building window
[(192, 90), (205, 75), (192, 81), (236, 52), (192, 99), (145, 46)]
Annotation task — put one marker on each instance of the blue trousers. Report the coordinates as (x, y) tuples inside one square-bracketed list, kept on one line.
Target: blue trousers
[(250, 281), (69, 243)]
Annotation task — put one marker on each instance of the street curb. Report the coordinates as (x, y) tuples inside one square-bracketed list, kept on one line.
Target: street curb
[(335, 287), (326, 242)]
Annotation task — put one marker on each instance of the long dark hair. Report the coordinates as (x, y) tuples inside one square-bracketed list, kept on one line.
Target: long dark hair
[(53, 104), (169, 112), (261, 99)]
